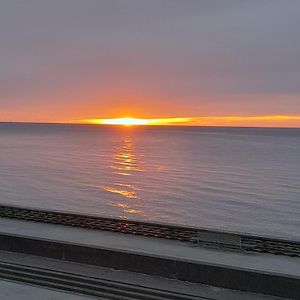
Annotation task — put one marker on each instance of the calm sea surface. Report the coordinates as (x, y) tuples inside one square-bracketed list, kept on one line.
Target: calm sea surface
[(224, 178)]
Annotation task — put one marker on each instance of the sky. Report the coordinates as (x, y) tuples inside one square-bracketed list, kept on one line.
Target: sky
[(217, 62)]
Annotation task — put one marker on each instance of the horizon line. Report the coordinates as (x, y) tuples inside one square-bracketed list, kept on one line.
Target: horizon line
[(241, 121), (114, 126)]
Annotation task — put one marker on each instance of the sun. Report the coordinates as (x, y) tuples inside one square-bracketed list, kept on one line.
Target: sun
[(125, 121), (129, 121)]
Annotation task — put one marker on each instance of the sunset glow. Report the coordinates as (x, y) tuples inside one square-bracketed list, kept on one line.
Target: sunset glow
[(124, 121), (136, 121), (151, 63), (247, 121)]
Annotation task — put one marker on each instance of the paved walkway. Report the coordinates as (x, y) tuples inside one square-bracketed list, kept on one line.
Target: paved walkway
[(17, 291)]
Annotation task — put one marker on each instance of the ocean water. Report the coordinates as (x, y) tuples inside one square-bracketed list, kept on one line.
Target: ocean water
[(240, 179)]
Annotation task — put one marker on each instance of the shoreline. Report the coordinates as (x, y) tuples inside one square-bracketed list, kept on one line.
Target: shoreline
[(202, 236)]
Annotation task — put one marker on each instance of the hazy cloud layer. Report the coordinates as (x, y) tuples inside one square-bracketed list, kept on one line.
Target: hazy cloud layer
[(97, 57)]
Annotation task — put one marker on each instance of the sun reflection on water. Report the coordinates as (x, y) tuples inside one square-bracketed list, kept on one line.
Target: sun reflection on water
[(125, 193), (125, 160), (125, 165)]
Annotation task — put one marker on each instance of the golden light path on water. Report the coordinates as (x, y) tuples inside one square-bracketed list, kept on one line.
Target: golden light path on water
[(124, 163)]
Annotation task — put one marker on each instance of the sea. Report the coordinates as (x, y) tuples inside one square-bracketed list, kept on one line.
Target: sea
[(236, 179)]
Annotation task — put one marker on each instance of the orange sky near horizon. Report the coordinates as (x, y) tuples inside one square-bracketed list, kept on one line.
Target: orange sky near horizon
[(209, 112), (247, 121), (166, 62)]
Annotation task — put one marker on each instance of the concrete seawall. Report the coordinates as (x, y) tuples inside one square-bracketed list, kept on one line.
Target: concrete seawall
[(201, 236), (276, 275)]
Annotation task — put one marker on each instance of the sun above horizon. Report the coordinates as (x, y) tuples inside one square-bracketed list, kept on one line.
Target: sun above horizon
[(129, 121), (125, 121)]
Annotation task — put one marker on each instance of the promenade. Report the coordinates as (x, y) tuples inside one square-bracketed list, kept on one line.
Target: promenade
[(39, 253)]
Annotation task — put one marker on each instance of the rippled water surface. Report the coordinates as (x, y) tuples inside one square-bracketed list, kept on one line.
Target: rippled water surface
[(225, 178)]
